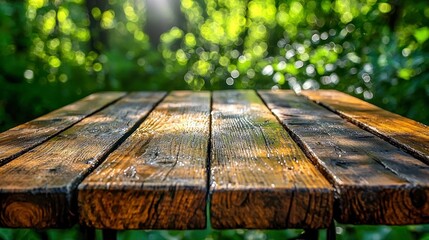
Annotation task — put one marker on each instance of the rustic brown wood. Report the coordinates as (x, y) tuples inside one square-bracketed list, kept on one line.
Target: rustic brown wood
[(403, 132), (376, 183), (157, 179), (38, 188), (259, 176), (22, 138)]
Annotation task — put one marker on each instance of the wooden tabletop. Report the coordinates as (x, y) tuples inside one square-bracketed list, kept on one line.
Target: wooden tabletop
[(234, 159)]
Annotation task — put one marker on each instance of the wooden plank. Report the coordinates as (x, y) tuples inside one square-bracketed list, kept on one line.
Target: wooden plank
[(157, 179), (403, 132), (38, 188), (22, 138), (375, 182), (259, 176)]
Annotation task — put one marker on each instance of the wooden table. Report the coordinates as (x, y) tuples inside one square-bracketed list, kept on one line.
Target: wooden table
[(265, 160)]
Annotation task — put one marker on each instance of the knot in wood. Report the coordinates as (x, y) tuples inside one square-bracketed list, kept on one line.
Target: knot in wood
[(23, 214)]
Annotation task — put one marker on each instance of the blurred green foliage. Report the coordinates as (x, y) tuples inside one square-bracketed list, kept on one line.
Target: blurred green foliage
[(56, 51), (344, 232)]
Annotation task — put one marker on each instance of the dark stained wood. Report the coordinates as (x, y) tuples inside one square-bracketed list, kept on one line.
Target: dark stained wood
[(157, 179), (20, 139), (38, 188), (259, 176), (403, 132), (375, 182)]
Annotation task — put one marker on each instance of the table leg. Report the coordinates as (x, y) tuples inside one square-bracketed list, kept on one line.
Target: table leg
[(330, 232), (109, 234), (43, 235), (308, 234), (87, 233)]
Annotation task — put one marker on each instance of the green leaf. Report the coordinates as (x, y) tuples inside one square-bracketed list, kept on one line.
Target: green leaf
[(422, 34), (406, 73)]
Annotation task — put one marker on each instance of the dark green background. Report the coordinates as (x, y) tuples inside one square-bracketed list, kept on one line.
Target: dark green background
[(53, 52)]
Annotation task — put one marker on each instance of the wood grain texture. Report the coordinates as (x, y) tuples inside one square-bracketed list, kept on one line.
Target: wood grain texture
[(20, 139), (403, 132), (157, 179), (375, 182), (259, 176), (38, 188)]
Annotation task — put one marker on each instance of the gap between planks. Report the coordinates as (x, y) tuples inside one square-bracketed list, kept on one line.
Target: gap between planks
[(22, 138), (392, 190), (417, 193), (259, 176), (411, 136), (157, 178), (38, 189)]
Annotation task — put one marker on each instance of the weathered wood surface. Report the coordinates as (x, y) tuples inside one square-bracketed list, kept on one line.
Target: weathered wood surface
[(22, 138), (375, 182), (403, 132), (38, 188), (158, 177), (259, 176)]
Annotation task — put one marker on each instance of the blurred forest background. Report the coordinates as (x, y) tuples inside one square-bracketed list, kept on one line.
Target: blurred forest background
[(54, 52)]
